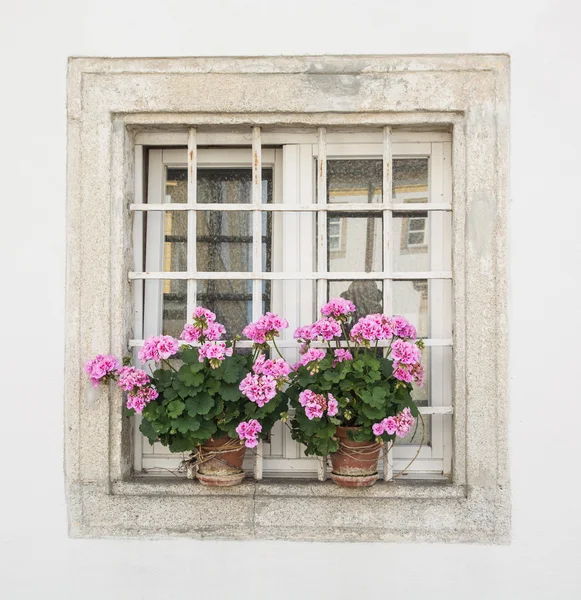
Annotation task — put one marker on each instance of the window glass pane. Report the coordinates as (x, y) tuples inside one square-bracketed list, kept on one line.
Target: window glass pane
[(224, 241), (174, 306), (176, 185), (367, 295), (422, 241), (354, 242), (410, 299), (410, 180), (175, 237), (427, 304), (231, 186), (354, 181), (231, 300)]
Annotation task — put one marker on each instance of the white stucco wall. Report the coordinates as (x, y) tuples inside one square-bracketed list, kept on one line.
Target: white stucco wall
[(37, 559)]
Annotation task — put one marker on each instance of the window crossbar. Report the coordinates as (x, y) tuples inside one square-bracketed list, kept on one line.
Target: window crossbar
[(291, 208), (311, 276)]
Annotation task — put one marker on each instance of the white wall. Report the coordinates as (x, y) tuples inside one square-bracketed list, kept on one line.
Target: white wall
[(543, 39)]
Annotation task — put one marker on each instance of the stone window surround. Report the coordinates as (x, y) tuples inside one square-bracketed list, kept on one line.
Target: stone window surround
[(108, 101)]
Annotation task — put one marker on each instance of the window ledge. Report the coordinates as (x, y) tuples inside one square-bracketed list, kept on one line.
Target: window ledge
[(416, 511), (162, 486)]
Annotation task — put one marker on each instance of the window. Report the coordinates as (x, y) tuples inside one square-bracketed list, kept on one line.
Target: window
[(242, 249), (380, 178)]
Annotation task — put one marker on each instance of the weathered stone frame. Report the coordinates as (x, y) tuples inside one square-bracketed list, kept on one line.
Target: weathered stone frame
[(108, 101)]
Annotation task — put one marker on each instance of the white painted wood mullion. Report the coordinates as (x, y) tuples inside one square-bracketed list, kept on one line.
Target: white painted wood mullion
[(192, 223), (322, 246), (387, 266), (256, 256), (138, 233)]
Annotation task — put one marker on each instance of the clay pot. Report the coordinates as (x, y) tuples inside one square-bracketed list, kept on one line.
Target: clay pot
[(354, 463), (221, 462)]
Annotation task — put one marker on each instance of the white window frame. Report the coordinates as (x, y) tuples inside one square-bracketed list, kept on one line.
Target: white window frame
[(285, 457), (113, 101)]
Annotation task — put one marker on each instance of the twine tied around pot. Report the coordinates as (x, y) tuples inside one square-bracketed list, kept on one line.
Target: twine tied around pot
[(198, 457)]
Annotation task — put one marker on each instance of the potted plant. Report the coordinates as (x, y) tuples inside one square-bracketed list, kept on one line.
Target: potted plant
[(208, 405), (348, 398)]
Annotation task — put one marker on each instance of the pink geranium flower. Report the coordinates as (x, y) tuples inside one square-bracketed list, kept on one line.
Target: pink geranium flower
[(215, 352), (137, 399), (341, 354), (249, 431), (101, 368), (265, 328), (258, 388), (338, 308), (130, 377), (158, 348)]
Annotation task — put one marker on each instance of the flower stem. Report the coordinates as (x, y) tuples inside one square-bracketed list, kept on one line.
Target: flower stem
[(166, 362), (276, 348)]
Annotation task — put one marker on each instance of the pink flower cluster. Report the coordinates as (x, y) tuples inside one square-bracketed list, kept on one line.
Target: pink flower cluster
[(326, 328), (400, 424), (158, 348), (265, 328), (405, 352), (249, 431), (311, 355), (215, 352), (409, 373), (341, 354), (258, 388), (204, 327), (338, 308), (102, 367), (276, 368), (316, 404), (381, 327), (137, 399), (130, 377), (406, 362)]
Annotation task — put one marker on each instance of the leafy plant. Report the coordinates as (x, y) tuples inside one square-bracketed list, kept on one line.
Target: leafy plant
[(208, 396), (351, 383)]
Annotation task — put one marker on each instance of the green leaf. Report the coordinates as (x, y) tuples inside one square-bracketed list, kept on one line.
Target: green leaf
[(327, 431), (175, 408), (190, 356), (230, 393), (148, 431), (186, 423), (231, 373), (386, 367), (360, 435), (190, 378), (205, 432), (376, 398), (169, 394), (181, 443), (372, 412), (200, 404)]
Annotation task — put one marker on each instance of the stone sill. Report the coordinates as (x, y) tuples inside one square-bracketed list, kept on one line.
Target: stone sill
[(161, 486)]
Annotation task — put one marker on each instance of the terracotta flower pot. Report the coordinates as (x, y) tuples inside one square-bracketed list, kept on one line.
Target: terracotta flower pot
[(354, 463), (220, 462)]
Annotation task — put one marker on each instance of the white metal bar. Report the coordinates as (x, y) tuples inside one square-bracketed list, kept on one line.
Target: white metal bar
[(405, 275), (138, 232), (192, 222), (256, 256), (375, 207), (293, 343), (387, 266), (321, 247)]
